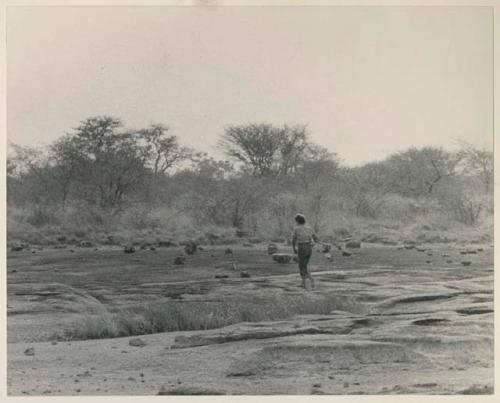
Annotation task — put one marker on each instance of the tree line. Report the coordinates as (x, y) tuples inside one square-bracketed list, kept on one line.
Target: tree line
[(102, 168)]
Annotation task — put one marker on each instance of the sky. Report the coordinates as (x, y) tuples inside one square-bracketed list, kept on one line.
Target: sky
[(367, 81)]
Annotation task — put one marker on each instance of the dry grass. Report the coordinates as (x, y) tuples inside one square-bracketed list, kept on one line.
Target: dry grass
[(180, 316)]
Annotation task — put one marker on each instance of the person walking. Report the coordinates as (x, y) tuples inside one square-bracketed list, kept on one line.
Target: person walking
[(303, 238)]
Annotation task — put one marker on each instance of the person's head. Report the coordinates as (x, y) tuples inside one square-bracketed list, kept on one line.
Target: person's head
[(300, 219)]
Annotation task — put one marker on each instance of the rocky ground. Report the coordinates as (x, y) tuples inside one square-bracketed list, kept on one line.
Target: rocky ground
[(406, 321)]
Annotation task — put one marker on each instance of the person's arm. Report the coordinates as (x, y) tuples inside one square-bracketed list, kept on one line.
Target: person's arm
[(315, 238), (294, 241)]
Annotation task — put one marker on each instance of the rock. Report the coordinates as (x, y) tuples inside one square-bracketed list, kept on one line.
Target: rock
[(480, 249), (29, 351), (353, 244), (131, 378), (346, 384), (421, 249), (326, 247), (137, 342), (221, 276), (244, 274), (33, 251), (14, 271), (248, 245), (241, 233), (152, 248), (85, 244), (428, 261), (463, 252), (16, 248), (429, 253), (272, 248), (180, 260), (228, 251), (446, 255), (167, 244), (466, 263), (345, 253), (144, 246), (201, 248), (409, 247), (190, 248), (317, 385), (449, 261), (471, 252), (129, 249), (328, 256), (72, 250), (282, 258)]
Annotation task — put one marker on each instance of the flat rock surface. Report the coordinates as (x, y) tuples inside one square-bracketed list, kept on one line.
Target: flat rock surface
[(395, 324)]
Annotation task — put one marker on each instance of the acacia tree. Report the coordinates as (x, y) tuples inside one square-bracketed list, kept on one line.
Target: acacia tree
[(163, 151), (477, 162), (265, 150)]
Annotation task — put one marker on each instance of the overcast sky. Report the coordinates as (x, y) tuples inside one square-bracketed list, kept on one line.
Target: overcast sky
[(366, 81)]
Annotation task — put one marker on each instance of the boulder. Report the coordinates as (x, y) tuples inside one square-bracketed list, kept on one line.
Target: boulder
[(190, 248), (137, 342), (272, 248), (129, 249), (326, 247), (282, 258), (167, 244), (353, 244)]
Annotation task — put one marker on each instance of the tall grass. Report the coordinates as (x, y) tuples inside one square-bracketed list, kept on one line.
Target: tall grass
[(172, 316)]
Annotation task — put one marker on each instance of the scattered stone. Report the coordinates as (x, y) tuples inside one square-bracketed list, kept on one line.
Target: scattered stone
[(421, 249), (131, 378), (466, 263), (346, 384), (54, 343), (282, 258), (463, 252), (201, 248), (167, 244), (248, 245), (353, 244), (152, 248), (29, 351), (129, 249), (409, 247), (471, 252), (429, 253), (14, 271), (345, 253), (72, 250), (137, 342), (85, 244), (244, 274), (16, 248), (272, 248), (449, 261), (180, 260), (190, 248), (33, 251), (144, 246), (317, 385), (446, 255), (480, 249), (228, 251), (326, 247), (221, 276), (428, 261)]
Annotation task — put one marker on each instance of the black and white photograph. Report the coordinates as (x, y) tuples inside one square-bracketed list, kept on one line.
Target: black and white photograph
[(249, 200)]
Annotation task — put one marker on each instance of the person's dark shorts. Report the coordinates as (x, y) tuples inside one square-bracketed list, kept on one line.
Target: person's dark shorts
[(304, 254)]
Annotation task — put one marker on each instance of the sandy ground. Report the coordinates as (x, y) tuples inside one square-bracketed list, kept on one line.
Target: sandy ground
[(408, 322)]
